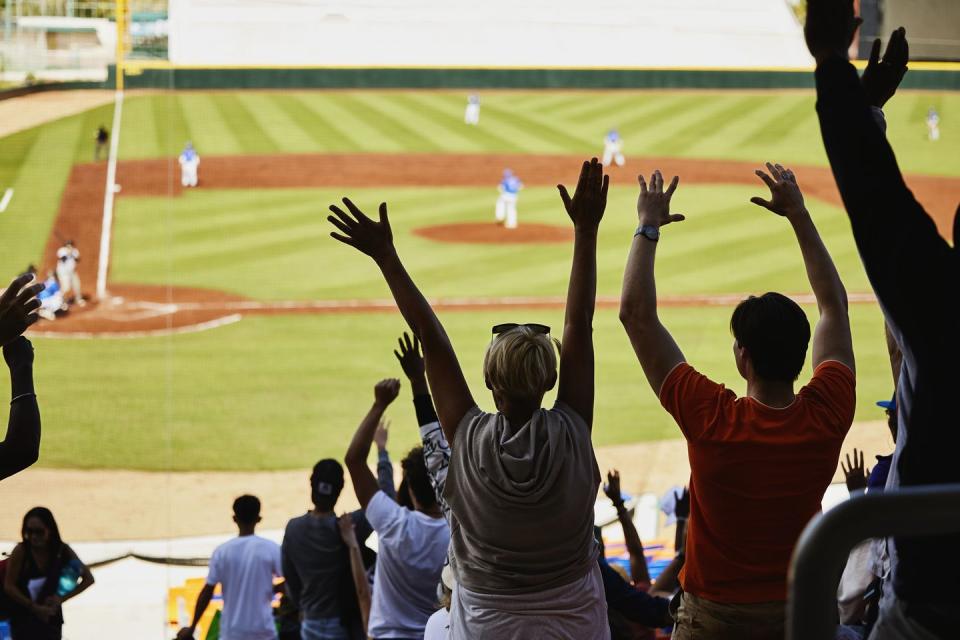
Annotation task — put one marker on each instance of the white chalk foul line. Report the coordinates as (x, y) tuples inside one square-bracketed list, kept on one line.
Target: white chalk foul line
[(107, 223), (153, 333), (5, 201)]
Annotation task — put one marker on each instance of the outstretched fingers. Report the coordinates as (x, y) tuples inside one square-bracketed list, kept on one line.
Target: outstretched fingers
[(564, 196), (766, 179), (673, 186), (875, 52), (766, 204), (15, 287), (643, 184)]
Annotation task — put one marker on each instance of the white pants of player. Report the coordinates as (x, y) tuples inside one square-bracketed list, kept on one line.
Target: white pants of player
[(507, 210), (609, 155), (934, 133), (188, 175), (472, 114), (69, 282)]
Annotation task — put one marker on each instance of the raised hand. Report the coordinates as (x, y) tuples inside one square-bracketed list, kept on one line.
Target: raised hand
[(18, 353), (589, 201), (409, 356), (386, 391), (18, 307), (854, 472), (653, 204), (612, 488), (381, 434), (882, 76), (362, 233), (830, 28), (785, 197), (347, 532)]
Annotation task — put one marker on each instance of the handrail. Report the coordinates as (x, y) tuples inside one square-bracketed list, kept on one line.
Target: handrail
[(825, 544)]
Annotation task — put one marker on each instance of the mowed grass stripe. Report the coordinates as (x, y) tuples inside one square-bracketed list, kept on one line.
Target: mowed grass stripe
[(248, 132), (439, 108), (637, 128), (171, 126), (285, 132), (662, 136), (360, 131), (541, 125), (606, 111), (373, 109), (681, 139), (325, 137), (211, 133), (139, 138), (778, 125), (436, 132)]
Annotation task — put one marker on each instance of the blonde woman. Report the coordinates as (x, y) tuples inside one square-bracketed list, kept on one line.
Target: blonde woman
[(522, 481)]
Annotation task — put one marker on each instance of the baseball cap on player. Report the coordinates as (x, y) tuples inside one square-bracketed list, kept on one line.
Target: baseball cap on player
[(326, 483)]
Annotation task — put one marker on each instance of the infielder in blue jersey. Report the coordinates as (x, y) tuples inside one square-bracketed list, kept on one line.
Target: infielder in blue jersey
[(509, 189), (189, 162), (613, 149)]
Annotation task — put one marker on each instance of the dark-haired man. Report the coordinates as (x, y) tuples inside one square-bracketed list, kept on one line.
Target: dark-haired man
[(245, 568), (412, 545), (316, 564), (761, 463)]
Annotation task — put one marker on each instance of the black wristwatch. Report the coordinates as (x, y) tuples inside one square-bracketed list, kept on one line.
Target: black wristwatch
[(649, 232)]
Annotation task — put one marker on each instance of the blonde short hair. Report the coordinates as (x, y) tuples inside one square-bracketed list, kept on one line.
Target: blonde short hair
[(521, 363)]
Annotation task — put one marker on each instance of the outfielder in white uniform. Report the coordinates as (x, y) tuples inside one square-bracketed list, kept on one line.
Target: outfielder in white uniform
[(67, 258), (613, 149), (189, 162), (509, 189), (472, 114), (933, 124)]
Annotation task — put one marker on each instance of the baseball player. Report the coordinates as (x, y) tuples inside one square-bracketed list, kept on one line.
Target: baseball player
[(67, 258), (103, 137), (189, 161), (613, 149), (933, 124), (509, 189), (472, 115)]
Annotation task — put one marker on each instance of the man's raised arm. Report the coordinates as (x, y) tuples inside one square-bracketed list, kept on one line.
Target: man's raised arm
[(655, 347), (364, 482), (831, 338), (375, 239)]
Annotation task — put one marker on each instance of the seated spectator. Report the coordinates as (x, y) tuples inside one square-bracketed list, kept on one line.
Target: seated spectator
[(316, 564), (522, 482), (412, 545), (914, 274), (18, 306), (759, 464), (244, 568), (43, 573)]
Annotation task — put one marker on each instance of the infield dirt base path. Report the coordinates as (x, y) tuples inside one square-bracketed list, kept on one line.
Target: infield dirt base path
[(94, 505), (138, 309)]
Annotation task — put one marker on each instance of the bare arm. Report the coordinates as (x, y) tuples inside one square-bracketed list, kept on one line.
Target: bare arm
[(357, 571), (655, 347), (364, 482), (14, 568), (669, 579), (639, 572), (451, 393), (203, 601), (576, 385), (21, 447), (831, 338)]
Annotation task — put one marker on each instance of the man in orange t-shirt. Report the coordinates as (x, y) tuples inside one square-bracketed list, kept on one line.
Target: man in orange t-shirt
[(760, 464)]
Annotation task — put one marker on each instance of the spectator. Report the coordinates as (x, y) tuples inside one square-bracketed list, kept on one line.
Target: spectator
[(357, 571), (522, 482), (43, 573), (244, 568), (412, 544), (21, 446), (316, 564), (915, 278), (384, 466), (759, 464), (639, 572)]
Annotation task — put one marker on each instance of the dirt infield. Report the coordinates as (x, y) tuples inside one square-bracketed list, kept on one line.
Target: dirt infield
[(135, 309)]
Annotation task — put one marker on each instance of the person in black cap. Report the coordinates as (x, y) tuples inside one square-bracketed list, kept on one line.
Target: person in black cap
[(316, 564)]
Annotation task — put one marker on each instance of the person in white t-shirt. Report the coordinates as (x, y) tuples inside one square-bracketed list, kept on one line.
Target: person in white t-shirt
[(245, 568), (412, 544)]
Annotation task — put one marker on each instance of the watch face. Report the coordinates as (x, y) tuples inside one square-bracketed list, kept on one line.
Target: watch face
[(651, 232)]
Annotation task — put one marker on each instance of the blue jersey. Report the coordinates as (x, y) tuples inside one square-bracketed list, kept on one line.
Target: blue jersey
[(188, 155), (511, 184)]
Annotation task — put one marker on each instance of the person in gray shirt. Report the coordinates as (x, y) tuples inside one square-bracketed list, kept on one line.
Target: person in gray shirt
[(316, 564)]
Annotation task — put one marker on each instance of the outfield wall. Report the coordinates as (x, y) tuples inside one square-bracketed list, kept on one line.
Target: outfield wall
[(931, 76)]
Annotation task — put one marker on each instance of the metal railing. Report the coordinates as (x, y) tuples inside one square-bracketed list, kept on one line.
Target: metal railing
[(825, 544)]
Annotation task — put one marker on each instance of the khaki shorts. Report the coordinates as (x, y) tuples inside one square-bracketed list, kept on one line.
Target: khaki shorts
[(700, 619)]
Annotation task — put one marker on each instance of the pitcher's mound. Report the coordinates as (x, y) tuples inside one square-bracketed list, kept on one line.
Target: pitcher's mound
[(490, 233)]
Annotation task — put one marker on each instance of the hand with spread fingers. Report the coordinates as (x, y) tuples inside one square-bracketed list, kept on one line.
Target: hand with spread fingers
[(830, 28), (854, 472), (361, 232), (786, 199), (883, 75), (612, 488), (18, 307), (410, 359), (653, 204), (589, 201)]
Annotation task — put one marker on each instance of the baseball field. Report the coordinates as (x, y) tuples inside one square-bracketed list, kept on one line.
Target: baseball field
[(238, 336)]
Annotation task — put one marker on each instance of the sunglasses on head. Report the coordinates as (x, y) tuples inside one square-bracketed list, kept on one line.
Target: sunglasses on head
[(509, 326)]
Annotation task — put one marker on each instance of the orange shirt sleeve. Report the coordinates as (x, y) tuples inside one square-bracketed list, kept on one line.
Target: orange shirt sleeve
[(695, 401), (833, 390)]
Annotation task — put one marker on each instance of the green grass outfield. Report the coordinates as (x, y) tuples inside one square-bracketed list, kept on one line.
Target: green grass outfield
[(278, 392)]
